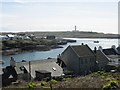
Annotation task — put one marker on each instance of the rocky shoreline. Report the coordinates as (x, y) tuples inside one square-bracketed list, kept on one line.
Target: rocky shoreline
[(29, 49), (12, 47)]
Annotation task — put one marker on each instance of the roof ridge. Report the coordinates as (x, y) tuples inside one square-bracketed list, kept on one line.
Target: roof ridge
[(75, 51), (90, 49), (81, 46)]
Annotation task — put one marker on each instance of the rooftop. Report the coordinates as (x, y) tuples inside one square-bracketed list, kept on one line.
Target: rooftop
[(49, 65), (83, 50), (114, 56), (109, 51)]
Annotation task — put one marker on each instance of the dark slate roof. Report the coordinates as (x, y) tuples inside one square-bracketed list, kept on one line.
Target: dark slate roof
[(82, 50), (99, 53), (109, 51)]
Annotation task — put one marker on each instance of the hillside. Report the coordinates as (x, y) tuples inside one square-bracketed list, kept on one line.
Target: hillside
[(98, 79)]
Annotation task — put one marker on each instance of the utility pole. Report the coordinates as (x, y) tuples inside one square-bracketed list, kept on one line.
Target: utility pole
[(29, 71)]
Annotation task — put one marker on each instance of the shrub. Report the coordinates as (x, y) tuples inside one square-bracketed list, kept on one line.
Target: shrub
[(43, 83), (107, 87), (114, 83), (53, 81), (103, 77), (32, 85), (65, 79), (100, 72), (110, 85)]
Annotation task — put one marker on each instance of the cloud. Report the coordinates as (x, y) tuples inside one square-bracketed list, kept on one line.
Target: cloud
[(19, 1)]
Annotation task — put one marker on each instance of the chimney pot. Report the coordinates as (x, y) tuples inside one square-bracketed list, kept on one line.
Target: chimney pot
[(95, 49)]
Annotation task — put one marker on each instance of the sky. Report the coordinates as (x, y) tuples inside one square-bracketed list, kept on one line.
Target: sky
[(59, 15)]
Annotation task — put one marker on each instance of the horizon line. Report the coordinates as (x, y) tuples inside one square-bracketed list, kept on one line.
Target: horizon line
[(56, 31)]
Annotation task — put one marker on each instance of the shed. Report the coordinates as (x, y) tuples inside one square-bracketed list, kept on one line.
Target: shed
[(42, 74), (50, 37)]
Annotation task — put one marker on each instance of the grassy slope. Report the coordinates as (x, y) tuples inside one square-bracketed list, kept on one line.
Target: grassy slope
[(94, 80)]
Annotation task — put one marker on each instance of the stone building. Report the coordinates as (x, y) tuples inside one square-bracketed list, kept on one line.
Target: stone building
[(82, 60)]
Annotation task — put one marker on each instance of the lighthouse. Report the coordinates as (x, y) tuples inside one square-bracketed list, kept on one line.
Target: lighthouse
[(75, 28)]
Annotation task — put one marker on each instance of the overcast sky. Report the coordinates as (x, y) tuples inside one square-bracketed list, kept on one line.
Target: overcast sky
[(59, 15)]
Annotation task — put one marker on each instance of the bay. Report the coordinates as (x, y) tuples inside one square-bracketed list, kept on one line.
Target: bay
[(40, 55)]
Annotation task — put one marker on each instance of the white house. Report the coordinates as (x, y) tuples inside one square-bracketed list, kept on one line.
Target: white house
[(11, 37), (3, 38)]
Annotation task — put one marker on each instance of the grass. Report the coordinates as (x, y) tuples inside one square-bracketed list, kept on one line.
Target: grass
[(32, 85), (43, 83), (94, 80), (53, 81)]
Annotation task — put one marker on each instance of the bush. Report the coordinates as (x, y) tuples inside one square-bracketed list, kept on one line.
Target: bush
[(107, 87), (43, 83), (114, 83), (110, 85), (53, 81), (32, 85), (100, 72), (65, 79), (103, 77)]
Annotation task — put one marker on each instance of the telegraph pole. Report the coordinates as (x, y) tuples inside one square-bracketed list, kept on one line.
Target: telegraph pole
[(29, 71)]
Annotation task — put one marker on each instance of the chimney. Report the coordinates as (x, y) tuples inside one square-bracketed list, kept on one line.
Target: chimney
[(95, 49), (12, 62), (100, 48), (82, 44), (114, 47)]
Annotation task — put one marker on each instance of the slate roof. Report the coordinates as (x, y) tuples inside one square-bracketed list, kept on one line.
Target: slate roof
[(110, 51), (98, 52), (46, 65), (114, 56), (82, 50), (114, 64)]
